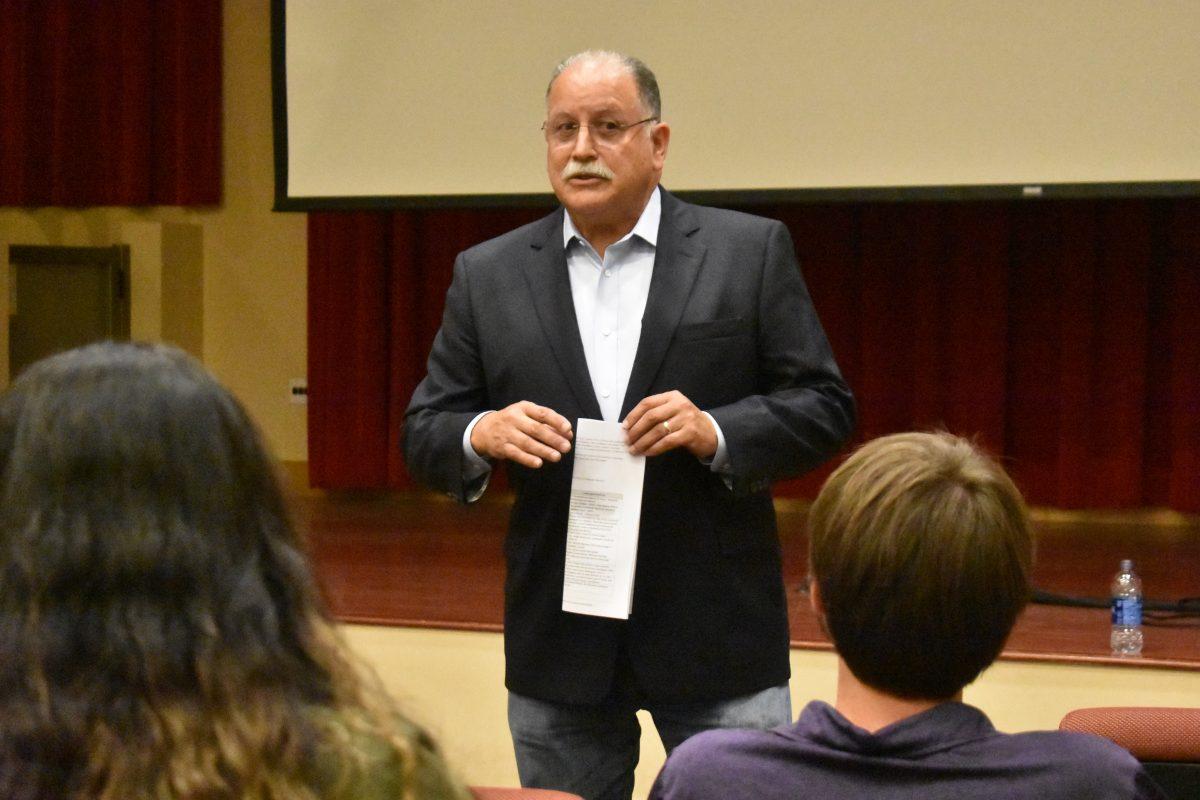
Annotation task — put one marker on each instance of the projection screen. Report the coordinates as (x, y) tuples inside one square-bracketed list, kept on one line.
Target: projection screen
[(394, 102)]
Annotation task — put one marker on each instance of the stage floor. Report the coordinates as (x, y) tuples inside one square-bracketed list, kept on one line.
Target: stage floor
[(418, 559)]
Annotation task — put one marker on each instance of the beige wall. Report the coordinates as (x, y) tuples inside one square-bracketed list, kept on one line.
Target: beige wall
[(453, 683), (254, 261)]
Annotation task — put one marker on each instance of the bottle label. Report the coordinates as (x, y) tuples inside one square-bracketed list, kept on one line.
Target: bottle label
[(1126, 611)]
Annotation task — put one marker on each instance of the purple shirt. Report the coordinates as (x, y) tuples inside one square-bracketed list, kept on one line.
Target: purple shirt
[(949, 752)]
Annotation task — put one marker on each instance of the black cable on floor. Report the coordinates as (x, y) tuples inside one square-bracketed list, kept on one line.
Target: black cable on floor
[(1180, 613)]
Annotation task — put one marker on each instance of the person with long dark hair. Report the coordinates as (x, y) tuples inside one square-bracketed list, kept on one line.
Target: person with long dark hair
[(161, 635)]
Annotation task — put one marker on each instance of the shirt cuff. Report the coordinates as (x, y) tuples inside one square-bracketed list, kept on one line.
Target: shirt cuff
[(719, 462), (476, 469)]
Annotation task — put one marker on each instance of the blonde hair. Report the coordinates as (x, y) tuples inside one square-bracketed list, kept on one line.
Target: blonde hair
[(921, 547)]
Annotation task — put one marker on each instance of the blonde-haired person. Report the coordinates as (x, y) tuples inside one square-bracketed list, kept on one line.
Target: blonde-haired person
[(161, 635), (920, 551)]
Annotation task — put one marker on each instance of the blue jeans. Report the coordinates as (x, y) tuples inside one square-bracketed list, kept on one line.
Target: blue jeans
[(593, 750)]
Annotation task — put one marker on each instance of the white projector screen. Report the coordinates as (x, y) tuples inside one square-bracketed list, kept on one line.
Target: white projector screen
[(384, 102)]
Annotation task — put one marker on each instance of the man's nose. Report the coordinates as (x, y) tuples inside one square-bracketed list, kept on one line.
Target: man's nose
[(584, 148)]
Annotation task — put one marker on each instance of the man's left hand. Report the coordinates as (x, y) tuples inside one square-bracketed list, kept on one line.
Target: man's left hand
[(666, 421)]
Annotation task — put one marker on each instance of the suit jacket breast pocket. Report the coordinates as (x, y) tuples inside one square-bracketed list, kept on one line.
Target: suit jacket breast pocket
[(712, 362)]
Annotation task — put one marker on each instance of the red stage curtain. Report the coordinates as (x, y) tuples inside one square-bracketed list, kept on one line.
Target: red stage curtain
[(376, 285), (111, 102), (1064, 335)]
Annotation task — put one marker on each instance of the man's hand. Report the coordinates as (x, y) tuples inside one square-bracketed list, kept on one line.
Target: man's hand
[(526, 433), (666, 421)]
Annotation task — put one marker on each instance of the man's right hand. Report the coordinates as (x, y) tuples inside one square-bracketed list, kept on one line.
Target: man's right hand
[(526, 433)]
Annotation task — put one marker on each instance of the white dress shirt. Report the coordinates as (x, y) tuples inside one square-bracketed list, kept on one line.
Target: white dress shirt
[(610, 297)]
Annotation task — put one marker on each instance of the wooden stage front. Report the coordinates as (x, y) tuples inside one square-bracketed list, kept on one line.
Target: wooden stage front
[(417, 559)]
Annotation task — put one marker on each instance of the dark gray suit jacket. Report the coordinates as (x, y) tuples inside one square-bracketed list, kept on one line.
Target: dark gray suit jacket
[(728, 323)]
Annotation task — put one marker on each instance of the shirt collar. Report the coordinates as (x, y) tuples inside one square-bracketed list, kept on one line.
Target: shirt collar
[(942, 727), (646, 227)]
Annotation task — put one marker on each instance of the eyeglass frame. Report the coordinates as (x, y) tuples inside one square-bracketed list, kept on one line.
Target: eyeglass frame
[(622, 130)]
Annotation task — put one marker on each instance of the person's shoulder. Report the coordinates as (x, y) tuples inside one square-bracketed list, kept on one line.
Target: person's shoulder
[(1083, 764), (720, 763), (712, 752), (725, 219), (370, 767), (1081, 747), (544, 231)]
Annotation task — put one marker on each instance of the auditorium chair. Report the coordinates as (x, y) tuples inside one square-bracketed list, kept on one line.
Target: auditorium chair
[(1165, 740), (499, 793)]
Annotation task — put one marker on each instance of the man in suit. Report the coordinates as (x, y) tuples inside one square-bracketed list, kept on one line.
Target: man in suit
[(693, 328)]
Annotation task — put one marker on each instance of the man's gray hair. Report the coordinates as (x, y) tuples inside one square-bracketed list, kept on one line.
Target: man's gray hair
[(647, 84)]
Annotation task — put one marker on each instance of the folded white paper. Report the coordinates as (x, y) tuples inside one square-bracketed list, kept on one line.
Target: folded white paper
[(602, 527)]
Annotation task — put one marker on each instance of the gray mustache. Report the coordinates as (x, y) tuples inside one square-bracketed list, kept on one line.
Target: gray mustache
[(575, 169)]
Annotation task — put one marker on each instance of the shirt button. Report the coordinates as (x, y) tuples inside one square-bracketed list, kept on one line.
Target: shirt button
[(605, 332), (608, 273), (604, 393)]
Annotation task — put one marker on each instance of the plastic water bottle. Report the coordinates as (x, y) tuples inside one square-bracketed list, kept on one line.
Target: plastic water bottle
[(1126, 638)]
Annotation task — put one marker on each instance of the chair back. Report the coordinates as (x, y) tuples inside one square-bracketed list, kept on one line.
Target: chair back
[(1165, 740), (506, 793)]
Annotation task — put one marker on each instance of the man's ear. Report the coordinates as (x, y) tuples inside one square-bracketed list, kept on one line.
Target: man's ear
[(660, 136), (814, 597)]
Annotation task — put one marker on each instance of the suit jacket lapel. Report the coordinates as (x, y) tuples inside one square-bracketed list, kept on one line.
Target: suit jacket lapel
[(676, 264), (550, 287)]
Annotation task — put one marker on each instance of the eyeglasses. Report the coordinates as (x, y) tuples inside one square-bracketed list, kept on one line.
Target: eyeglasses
[(605, 133)]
